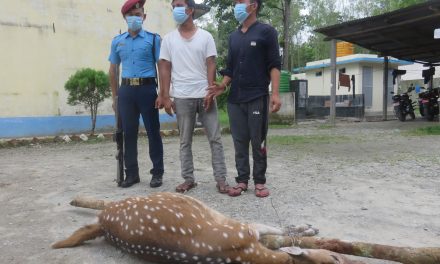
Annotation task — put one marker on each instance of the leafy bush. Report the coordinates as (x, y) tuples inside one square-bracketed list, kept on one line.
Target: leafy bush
[(88, 87)]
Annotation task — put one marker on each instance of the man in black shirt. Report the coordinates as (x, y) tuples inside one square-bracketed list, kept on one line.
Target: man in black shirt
[(253, 63)]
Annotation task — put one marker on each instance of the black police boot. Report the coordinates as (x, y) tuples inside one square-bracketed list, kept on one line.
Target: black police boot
[(156, 181), (129, 181)]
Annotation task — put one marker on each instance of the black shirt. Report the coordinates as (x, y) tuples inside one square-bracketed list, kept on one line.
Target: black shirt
[(251, 57)]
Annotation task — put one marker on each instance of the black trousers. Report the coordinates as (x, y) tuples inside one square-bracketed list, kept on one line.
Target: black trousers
[(249, 124), (135, 101)]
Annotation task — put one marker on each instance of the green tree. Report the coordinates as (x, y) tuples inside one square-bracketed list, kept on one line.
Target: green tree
[(89, 87)]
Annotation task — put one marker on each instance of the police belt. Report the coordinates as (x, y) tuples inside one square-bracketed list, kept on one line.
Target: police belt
[(138, 81)]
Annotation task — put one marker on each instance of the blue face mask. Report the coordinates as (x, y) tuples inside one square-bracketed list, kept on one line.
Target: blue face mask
[(180, 15), (240, 13), (134, 23)]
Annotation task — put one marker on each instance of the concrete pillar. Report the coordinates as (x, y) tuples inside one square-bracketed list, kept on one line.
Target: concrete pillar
[(333, 81)]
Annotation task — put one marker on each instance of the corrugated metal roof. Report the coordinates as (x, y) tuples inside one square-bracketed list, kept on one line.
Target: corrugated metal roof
[(406, 34)]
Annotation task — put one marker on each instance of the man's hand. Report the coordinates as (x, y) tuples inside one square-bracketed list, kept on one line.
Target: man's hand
[(213, 91), (167, 103), (275, 103)]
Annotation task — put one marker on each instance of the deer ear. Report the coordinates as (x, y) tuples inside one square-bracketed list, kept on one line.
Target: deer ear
[(294, 251)]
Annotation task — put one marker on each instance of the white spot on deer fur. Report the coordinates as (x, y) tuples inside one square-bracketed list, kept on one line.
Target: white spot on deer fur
[(195, 257), (131, 232), (238, 258), (126, 227), (274, 257), (228, 260), (199, 226), (146, 207), (136, 213), (173, 229), (155, 220), (163, 228), (148, 216), (225, 235), (240, 235), (182, 231)]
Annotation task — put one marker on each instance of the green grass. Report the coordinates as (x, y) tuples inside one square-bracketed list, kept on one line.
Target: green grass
[(280, 126), (425, 131), (223, 118), (311, 139)]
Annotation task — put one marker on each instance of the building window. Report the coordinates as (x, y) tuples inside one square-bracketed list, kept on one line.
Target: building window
[(318, 73), (342, 70)]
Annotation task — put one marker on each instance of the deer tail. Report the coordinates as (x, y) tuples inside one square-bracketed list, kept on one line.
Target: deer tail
[(85, 233)]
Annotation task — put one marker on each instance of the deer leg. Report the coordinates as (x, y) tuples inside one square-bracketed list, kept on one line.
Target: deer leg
[(266, 230), (85, 233)]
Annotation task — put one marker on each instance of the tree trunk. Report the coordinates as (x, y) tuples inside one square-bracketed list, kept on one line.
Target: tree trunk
[(93, 110), (404, 255), (286, 37)]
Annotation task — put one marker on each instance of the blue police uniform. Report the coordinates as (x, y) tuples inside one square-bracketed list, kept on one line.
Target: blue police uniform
[(137, 95)]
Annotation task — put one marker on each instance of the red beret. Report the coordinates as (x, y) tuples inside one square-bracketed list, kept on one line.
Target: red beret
[(130, 4)]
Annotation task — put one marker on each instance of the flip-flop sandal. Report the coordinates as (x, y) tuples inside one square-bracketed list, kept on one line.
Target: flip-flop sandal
[(238, 189), (261, 191), (186, 186), (223, 187)]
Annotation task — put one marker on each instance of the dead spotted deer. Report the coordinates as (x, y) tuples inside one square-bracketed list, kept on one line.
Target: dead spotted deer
[(175, 228)]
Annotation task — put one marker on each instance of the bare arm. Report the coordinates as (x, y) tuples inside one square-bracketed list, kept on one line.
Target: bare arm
[(275, 102), (165, 83), (113, 73), (165, 77), (211, 65)]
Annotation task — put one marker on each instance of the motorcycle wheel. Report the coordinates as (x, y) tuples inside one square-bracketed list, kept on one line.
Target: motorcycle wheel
[(399, 114), (429, 116)]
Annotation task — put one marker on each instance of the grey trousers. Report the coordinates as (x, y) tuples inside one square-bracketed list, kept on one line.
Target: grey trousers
[(186, 110), (249, 124)]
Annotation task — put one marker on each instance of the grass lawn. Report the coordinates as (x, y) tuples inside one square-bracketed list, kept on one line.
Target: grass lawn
[(425, 131)]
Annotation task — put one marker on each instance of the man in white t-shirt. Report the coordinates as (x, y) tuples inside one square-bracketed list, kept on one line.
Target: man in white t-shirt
[(187, 60)]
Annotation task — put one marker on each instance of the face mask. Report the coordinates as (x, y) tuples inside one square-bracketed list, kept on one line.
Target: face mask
[(134, 23), (179, 15), (240, 12)]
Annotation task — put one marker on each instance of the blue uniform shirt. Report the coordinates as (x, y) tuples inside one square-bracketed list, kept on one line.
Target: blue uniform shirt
[(135, 54)]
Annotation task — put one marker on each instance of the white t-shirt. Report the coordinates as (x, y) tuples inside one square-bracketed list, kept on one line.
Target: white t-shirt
[(189, 75)]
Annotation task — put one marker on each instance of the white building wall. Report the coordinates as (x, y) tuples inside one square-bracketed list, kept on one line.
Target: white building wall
[(46, 41)]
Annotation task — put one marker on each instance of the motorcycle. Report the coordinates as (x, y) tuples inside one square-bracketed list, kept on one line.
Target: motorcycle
[(403, 105), (428, 103)]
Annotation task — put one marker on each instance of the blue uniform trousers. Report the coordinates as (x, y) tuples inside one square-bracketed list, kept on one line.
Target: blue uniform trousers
[(132, 102)]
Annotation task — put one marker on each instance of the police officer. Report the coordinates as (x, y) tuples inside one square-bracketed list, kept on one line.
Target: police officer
[(138, 51)]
